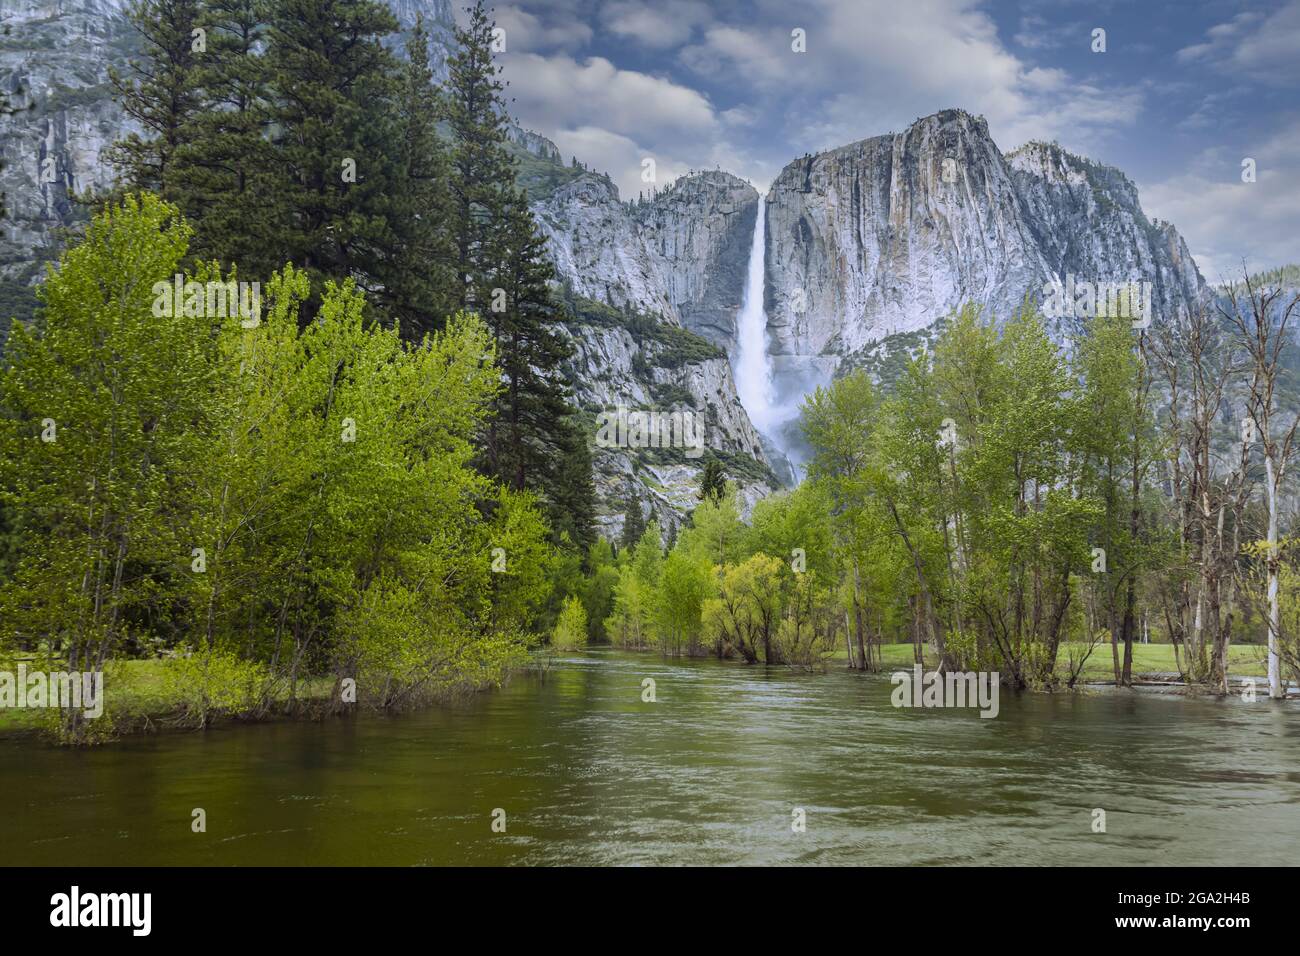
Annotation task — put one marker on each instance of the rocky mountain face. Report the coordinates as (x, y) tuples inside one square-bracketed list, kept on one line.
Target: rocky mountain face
[(623, 365), (680, 255), (54, 59), (673, 268), (884, 237)]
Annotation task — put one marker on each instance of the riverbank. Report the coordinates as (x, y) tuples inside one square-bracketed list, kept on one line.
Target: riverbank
[(139, 699)]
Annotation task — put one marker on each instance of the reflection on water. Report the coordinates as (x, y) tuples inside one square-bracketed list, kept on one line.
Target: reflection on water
[(589, 774)]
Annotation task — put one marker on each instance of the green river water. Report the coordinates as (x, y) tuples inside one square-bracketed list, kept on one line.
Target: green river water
[(710, 773)]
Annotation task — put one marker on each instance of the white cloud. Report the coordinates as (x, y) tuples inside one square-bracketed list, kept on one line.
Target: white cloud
[(1253, 45), (525, 31), (612, 119), (1225, 220), (659, 24), (619, 156), (1036, 33), (873, 66), (1042, 80), (557, 91)]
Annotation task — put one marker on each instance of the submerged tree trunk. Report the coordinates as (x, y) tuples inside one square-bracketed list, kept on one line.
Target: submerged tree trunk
[(1274, 611)]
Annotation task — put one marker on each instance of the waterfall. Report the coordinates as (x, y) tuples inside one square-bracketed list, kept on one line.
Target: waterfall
[(753, 363)]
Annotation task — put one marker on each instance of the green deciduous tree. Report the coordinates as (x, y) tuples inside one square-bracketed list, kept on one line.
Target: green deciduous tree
[(270, 501), (108, 424), (571, 628)]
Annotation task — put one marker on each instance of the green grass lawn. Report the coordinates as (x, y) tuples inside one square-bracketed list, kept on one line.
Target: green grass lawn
[(1244, 660)]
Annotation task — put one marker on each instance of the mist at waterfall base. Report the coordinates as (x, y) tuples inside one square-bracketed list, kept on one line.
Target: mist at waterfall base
[(776, 417)]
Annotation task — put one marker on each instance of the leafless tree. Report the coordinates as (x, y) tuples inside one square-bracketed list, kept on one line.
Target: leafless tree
[(1209, 475), (1261, 315)]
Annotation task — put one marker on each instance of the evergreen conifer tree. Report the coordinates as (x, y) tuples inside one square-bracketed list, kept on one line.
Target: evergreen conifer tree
[(158, 92), (713, 484), (222, 167), (419, 287), (482, 172), (331, 87), (633, 523)]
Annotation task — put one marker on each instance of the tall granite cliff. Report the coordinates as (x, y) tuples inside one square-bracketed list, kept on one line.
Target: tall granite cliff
[(885, 237), (672, 269), (54, 60), (681, 254)]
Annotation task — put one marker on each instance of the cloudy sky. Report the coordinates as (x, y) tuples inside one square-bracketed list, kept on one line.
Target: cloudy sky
[(1185, 90)]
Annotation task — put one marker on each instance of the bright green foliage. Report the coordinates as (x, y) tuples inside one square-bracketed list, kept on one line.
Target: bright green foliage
[(109, 421), (716, 532), (287, 132), (598, 588), (277, 502), (631, 624), (684, 585), (796, 528), (211, 682), (571, 628), (963, 506), (844, 423), (1118, 450), (746, 613)]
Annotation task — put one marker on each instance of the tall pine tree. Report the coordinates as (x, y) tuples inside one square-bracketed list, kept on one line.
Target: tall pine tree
[(532, 441), (481, 167), (713, 483), (572, 494), (419, 271), (503, 272), (222, 167), (158, 92), (331, 86), (633, 523)]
